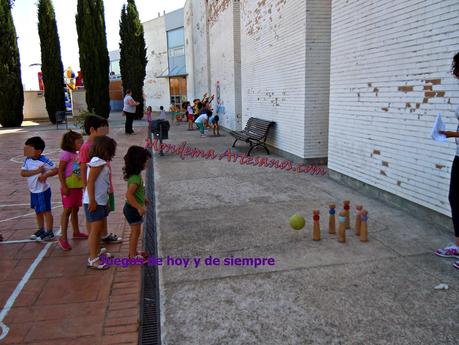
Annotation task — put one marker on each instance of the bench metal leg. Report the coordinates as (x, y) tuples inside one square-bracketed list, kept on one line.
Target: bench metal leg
[(234, 144), (260, 144), (266, 148)]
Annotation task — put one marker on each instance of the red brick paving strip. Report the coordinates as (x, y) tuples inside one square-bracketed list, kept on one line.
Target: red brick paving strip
[(64, 302)]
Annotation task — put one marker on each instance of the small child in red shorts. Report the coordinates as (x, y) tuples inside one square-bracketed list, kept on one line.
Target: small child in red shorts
[(189, 116), (71, 186)]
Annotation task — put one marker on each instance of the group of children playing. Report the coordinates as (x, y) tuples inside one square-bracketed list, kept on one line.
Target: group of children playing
[(200, 113), (85, 177)]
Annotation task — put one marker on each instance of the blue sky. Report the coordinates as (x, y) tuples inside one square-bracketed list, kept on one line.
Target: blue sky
[(25, 20)]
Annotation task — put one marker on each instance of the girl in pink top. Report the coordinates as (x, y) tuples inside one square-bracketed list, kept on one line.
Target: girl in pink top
[(71, 186)]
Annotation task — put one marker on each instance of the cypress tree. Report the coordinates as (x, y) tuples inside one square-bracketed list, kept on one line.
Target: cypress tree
[(11, 90), (94, 60), (133, 53), (51, 63)]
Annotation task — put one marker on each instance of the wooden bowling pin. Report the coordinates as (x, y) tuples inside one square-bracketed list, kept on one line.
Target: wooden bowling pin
[(316, 226), (331, 219), (364, 226), (347, 207), (358, 213), (342, 227)]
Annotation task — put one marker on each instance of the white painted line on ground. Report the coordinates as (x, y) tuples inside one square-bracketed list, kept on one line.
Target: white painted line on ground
[(30, 241), (24, 215), (9, 303), (20, 241)]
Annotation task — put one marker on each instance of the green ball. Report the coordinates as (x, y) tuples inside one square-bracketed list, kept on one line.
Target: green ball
[(297, 221)]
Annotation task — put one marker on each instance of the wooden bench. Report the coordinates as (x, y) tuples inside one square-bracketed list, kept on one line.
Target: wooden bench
[(255, 133)]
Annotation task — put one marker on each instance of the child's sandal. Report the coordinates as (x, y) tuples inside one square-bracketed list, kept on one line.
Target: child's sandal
[(93, 264)]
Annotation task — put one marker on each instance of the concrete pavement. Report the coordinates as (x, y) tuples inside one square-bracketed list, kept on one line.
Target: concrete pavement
[(380, 292)]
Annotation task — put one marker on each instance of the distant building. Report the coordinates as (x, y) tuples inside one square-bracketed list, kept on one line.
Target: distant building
[(116, 87), (166, 79)]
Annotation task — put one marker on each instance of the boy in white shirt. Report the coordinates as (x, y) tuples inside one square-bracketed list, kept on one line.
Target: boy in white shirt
[(37, 168)]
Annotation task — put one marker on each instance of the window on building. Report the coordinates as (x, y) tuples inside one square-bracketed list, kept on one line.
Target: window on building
[(176, 52), (115, 67), (175, 38), (178, 90)]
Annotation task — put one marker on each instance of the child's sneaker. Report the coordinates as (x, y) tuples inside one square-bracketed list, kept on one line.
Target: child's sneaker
[(94, 264), (37, 235), (103, 252), (47, 236), (448, 252), (456, 264), (112, 238), (64, 245), (80, 236)]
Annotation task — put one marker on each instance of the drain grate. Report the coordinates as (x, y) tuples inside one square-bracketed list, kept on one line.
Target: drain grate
[(150, 324)]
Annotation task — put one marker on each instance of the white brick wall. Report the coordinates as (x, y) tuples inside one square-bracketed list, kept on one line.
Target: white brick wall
[(189, 56), (196, 50), (318, 31), (222, 57), (273, 60), (285, 73), (237, 64), (156, 89), (390, 76)]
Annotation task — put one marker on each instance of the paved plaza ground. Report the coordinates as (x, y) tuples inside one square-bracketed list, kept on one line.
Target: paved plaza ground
[(325, 292), (63, 302), (380, 292)]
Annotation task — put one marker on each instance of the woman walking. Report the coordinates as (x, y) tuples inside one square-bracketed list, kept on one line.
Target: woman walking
[(129, 111)]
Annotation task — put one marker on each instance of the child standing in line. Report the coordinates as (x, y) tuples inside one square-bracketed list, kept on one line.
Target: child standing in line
[(95, 199), (135, 161), (71, 186), (96, 126), (37, 168)]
